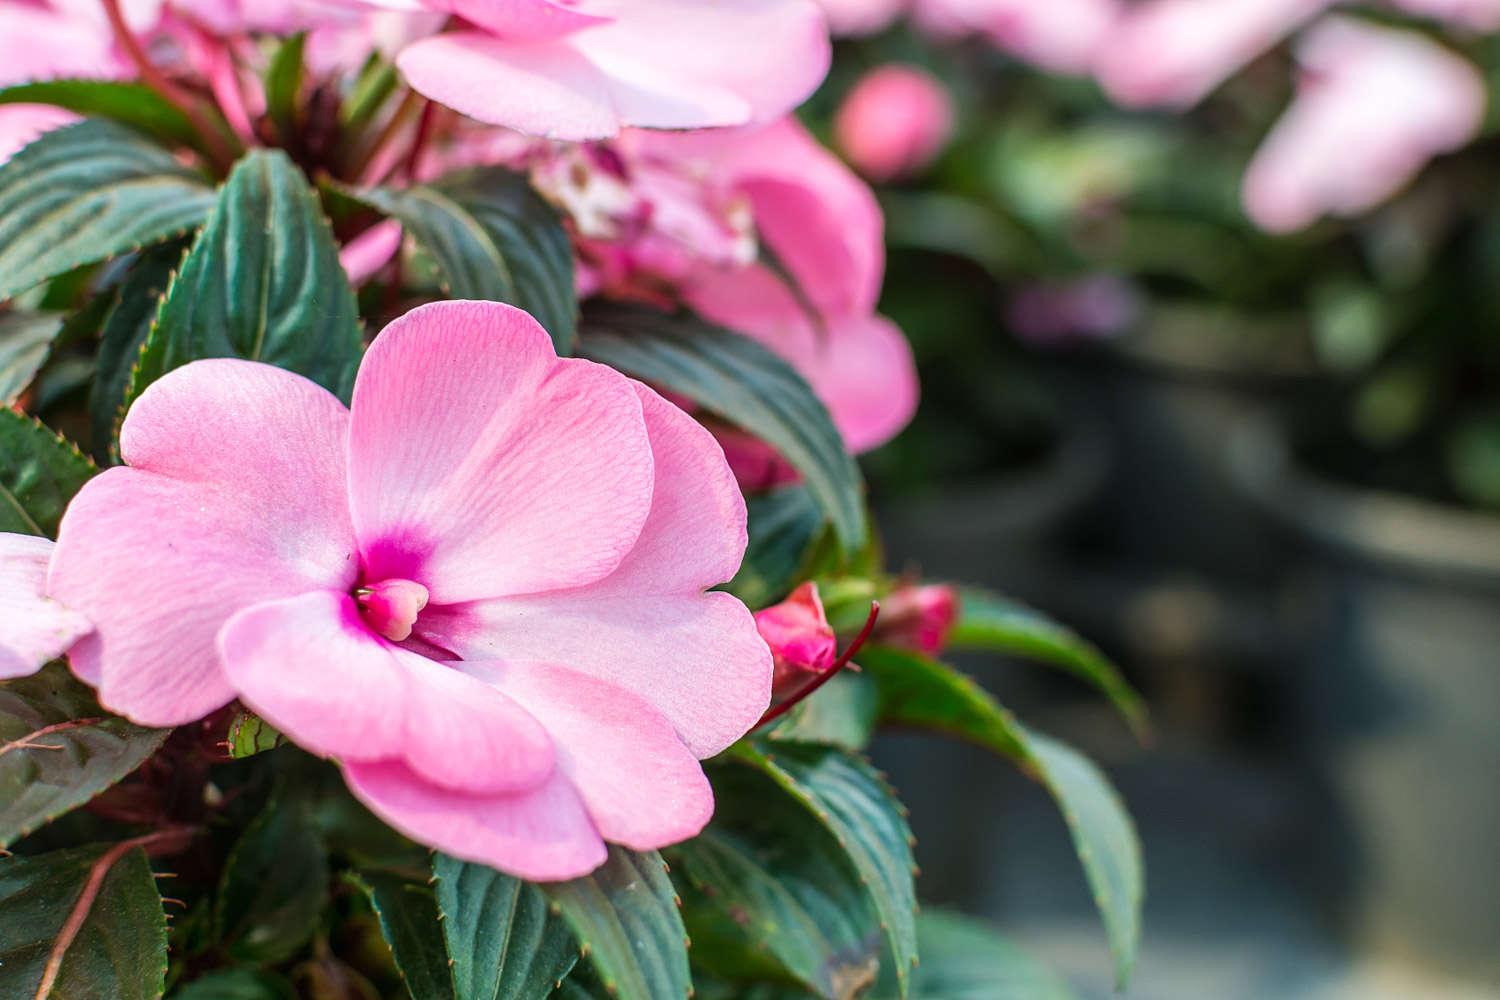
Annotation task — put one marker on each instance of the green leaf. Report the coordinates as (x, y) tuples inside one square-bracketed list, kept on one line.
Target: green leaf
[(785, 525), (376, 83), (25, 338), (842, 712), (85, 752), (409, 921), (284, 85), (40, 472), (262, 282), (249, 735), (119, 951), (862, 814), (916, 691), (770, 895), (737, 379), (988, 621), (273, 886), (237, 984), (964, 959), (126, 101), (503, 940), (89, 191), (125, 330), (625, 918), (493, 237)]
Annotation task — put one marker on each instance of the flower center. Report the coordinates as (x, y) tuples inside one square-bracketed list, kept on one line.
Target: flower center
[(391, 607)]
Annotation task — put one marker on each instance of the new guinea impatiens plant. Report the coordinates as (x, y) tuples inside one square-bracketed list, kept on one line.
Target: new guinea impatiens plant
[(432, 558)]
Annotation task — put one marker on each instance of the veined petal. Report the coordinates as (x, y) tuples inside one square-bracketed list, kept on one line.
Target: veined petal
[(35, 629)]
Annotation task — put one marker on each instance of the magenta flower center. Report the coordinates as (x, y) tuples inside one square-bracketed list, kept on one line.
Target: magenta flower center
[(390, 607)]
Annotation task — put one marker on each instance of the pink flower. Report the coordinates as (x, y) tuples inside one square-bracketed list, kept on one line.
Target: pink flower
[(918, 618), (801, 640), (1172, 53), (587, 68), (1476, 15), (861, 17), (1373, 106), (894, 122), (1059, 35), (540, 530), (37, 629)]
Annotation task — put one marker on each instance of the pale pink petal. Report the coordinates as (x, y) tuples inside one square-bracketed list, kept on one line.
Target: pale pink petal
[(312, 667), (524, 19), (481, 465), (34, 629), (21, 124), (371, 250), (1172, 53), (640, 785), (39, 44), (235, 496), (1374, 105), (861, 17), (542, 835), (695, 657)]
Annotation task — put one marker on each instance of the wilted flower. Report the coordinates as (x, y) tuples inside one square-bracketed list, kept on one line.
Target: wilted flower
[(894, 122), (480, 589), (36, 628), (801, 640)]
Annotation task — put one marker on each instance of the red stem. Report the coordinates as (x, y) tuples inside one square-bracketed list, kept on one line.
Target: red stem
[(25, 741), (787, 704)]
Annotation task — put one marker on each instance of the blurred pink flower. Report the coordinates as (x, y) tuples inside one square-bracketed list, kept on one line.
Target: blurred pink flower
[(1476, 15), (37, 629), (894, 122), (1373, 106), (1173, 53), (1096, 306), (1059, 35), (861, 17), (543, 529), (918, 618), (587, 68), (801, 640)]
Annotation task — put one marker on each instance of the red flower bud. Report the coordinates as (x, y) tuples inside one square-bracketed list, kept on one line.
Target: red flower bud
[(801, 640)]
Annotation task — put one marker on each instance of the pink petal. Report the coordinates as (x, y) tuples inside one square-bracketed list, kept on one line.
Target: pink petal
[(695, 657), (482, 465), (521, 19), (35, 629), (312, 667), (640, 785), (371, 250), (235, 495), (541, 835), (21, 124), (860, 17)]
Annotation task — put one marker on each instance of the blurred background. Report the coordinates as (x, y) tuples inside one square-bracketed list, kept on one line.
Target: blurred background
[(1205, 296)]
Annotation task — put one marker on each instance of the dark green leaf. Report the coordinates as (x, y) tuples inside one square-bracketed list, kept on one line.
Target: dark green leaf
[(25, 338), (284, 85), (503, 941), (120, 950), (39, 473), (263, 282), (125, 330), (237, 984), (126, 101), (409, 920), (916, 691), (273, 886), (988, 621), (59, 770), (842, 712), (855, 805), (784, 526), (89, 191), (964, 959), (625, 918), (493, 237), (769, 893), (737, 379)]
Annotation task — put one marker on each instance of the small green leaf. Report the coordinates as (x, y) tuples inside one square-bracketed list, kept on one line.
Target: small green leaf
[(237, 984), (857, 808), (125, 330), (126, 101), (284, 75), (785, 524), (916, 691), (409, 921), (274, 885), (59, 749), (493, 237), (625, 918), (249, 735), (504, 942), (25, 338), (988, 621), (89, 191), (842, 713), (262, 282), (120, 950), (964, 959), (376, 83), (737, 379), (40, 472)]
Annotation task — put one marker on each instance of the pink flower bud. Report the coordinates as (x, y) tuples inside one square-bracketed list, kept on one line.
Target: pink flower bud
[(894, 122), (917, 618), (801, 640)]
